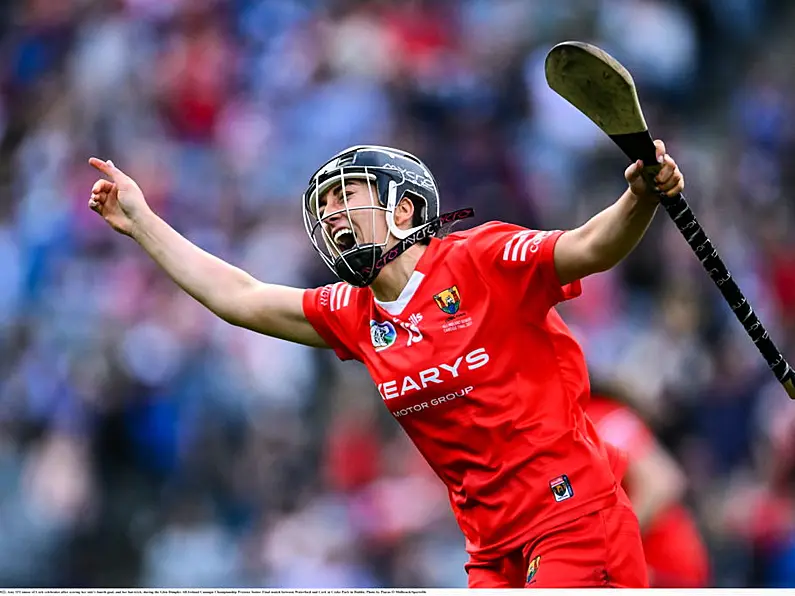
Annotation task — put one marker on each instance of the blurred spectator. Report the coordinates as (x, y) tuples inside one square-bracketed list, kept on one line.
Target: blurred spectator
[(143, 443)]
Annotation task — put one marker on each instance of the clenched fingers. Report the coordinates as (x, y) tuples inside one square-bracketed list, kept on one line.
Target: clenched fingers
[(95, 204), (99, 194), (659, 148), (669, 179), (101, 186), (666, 172)]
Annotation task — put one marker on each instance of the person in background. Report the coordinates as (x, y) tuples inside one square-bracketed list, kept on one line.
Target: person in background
[(674, 550)]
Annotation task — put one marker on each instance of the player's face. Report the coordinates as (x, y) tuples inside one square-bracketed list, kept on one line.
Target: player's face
[(348, 218)]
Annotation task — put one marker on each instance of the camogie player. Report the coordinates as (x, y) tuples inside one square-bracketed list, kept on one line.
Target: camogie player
[(675, 552), (461, 337)]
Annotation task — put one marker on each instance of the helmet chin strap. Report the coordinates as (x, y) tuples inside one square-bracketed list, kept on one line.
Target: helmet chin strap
[(412, 237)]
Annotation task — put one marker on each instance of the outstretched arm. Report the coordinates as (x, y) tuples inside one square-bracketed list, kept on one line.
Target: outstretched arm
[(226, 290), (605, 239)]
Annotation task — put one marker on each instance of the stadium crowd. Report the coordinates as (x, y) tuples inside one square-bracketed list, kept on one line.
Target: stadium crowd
[(144, 443)]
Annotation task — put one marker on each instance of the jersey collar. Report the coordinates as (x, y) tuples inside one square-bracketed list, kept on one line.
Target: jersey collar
[(395, 307)]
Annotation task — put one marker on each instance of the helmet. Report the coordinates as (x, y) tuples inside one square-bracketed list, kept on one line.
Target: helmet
[(391, 175)]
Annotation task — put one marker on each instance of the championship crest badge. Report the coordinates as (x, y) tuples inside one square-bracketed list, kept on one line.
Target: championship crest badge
[(448, 300)]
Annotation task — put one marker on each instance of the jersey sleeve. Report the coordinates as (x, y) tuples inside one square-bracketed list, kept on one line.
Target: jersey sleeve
[(331, 310), (521, 261)]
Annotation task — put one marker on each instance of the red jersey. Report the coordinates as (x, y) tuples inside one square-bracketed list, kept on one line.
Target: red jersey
[(672, 543), (485, 378)]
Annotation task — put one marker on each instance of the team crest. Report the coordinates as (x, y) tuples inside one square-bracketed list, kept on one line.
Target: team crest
[(448, 300), (532, 568), (561, 488), (382, 335)]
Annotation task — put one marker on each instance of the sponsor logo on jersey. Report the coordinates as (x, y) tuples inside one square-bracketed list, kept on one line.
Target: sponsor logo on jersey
[(448, 300), (561, 488), (382, 335), (532, 568), (433, 375), (432, 403), (412, 328)]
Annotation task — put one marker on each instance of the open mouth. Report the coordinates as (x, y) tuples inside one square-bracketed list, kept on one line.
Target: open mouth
[(344, 239)]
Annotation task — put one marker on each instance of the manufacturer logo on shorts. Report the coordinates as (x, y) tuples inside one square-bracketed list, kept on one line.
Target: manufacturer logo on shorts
[(561, 488), (532, 568), (382, 335), (448, 300)]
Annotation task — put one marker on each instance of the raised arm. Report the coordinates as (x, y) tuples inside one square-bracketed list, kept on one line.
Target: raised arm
[(605, 239), (226, 290)]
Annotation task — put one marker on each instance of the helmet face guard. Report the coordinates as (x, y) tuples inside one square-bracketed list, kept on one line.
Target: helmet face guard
[(390, 175)]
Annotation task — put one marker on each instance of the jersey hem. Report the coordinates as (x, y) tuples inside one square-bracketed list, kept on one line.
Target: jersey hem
[(501, 549)]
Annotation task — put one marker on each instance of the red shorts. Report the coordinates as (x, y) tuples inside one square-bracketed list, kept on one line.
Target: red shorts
[(601, 549)]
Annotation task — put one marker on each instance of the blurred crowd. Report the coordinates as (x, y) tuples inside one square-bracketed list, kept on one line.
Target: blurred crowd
[(145, 443)]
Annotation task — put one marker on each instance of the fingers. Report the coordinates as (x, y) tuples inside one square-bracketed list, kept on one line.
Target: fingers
[(660, 150), (98, 197), (108, 169), (666, 171), (633, 172), (101, 186), (669, 179), (95, 204), (99, 194)]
